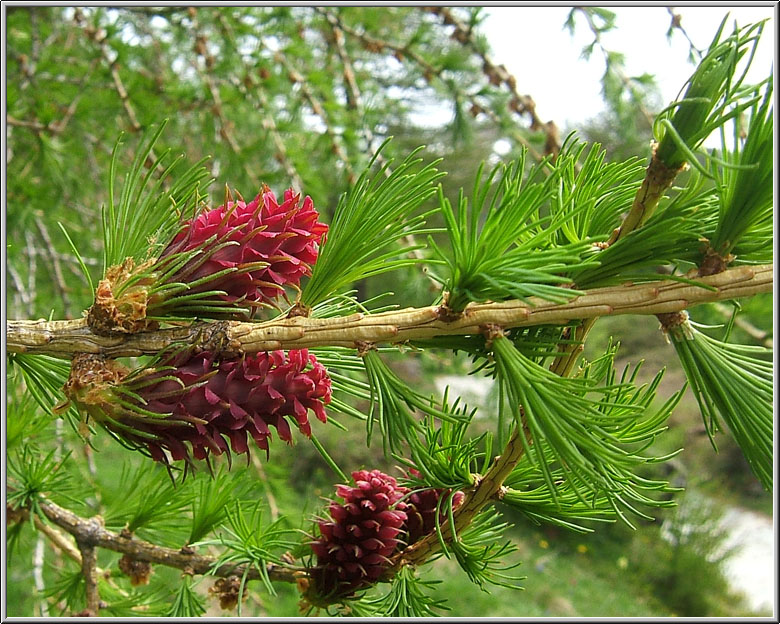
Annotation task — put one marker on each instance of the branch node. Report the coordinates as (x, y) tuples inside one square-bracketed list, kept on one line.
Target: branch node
[(446, 314), (491, 332), (714, 263), (215, 338), (299, 309), (364, 347), (125, 313), (675, 323), (670, 320)]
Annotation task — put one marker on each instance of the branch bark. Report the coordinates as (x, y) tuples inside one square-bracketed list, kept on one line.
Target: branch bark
[(64, 338), (91, 533), (485, 490), (89, 570)]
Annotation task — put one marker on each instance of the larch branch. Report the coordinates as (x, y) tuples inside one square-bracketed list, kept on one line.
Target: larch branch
[(63, 338), (91, 532), (485, 490)]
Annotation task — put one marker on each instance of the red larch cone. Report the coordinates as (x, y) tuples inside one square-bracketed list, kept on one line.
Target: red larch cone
[(357, 541), (283, 236), (237, 256), (193, 406)]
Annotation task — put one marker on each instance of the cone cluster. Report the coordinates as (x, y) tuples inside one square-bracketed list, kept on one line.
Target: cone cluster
[(356, 542), (194, 405)]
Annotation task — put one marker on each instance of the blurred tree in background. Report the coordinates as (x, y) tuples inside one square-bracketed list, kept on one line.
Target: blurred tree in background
[(303, 97)]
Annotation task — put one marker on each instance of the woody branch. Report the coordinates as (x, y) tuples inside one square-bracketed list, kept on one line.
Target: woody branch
[(91, 531), (63, 338)]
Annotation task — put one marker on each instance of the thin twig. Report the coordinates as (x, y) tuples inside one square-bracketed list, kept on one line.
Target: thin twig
[(486, 489), (676, 24), (65, 545), (497, 75), (58, 540), (37, 126), (56, 273), (354, 100), (62, 257), (251, 89), (764, 337), (627, 82), (295, 77), (281, 155), (354, 97), (204, 69), (429, 72), (63, 338), (571, 351), (658, 179), (57, 126), (91, 532)]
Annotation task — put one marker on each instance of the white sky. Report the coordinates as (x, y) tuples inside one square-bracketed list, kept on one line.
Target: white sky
[(546, 61)]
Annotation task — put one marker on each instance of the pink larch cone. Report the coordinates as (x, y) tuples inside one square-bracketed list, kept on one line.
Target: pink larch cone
[(238, 257), (205, 407), (285, 236), (357, 541)]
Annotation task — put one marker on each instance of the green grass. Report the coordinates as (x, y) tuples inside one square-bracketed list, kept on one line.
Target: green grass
[(564, 579)]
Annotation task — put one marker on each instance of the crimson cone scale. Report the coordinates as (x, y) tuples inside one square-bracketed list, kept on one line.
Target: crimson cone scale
[(421, 506)]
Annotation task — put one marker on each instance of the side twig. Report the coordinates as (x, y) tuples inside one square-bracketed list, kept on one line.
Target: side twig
[(99, 36), (486, 489), (56, 273), (253, 90), (92, 533), (89, 571), (295, 77), (429, 73), (204, 69), (498, 75)]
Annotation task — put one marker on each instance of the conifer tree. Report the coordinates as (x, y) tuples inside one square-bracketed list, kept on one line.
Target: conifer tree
[(226, 301)]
